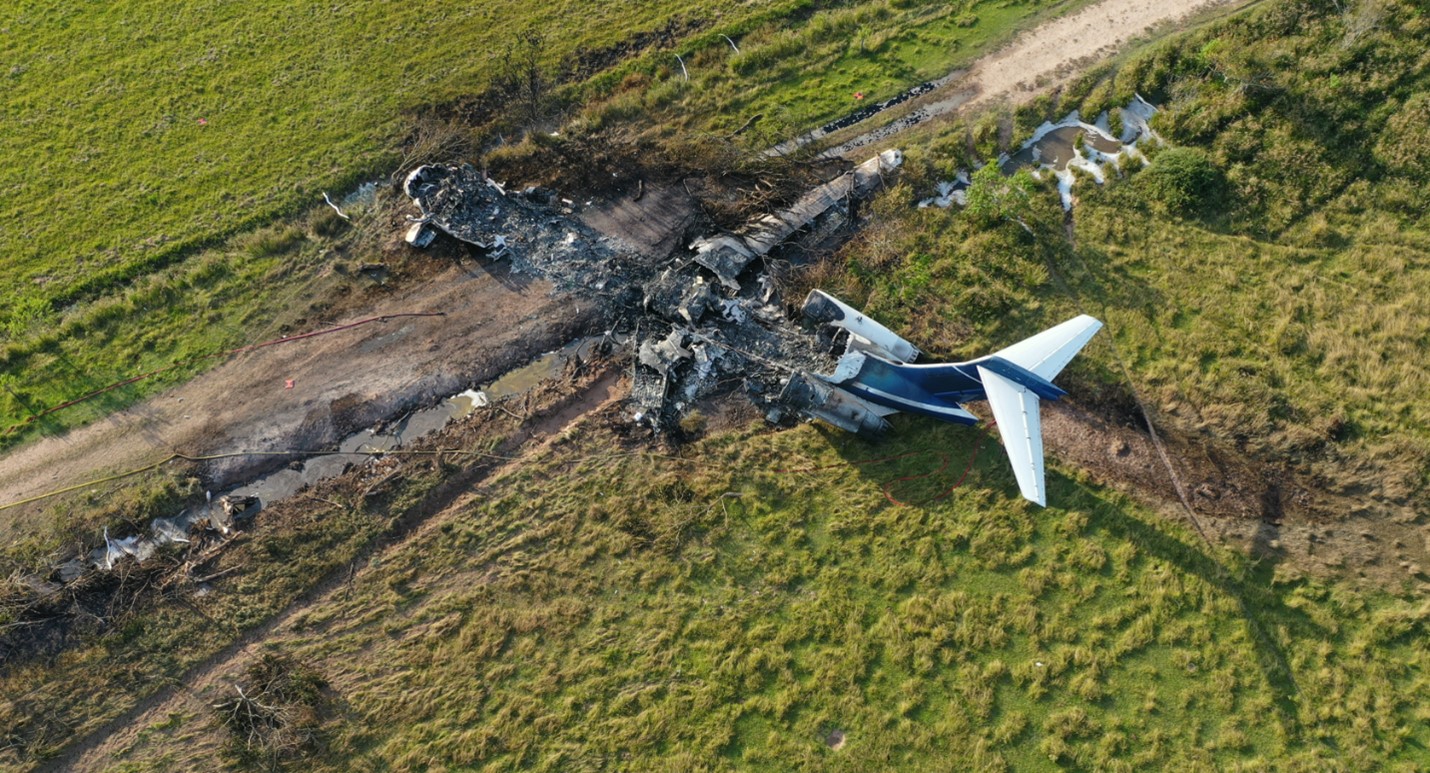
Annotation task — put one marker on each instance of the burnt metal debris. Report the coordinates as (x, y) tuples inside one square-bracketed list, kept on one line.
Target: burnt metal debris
[(710, 319), (520, 228)]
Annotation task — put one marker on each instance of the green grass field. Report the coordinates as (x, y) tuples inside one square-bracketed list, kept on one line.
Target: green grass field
[(737, 609), (796, 77), (111, 176), (729, 615), (734, 611)]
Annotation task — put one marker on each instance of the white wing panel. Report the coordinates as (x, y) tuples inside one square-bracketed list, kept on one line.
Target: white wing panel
[(1016, 411), (1048, 352)]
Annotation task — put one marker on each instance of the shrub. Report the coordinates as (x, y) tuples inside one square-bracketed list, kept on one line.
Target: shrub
[(23, 315), (327, 223), (1182, 181), (271, 242), (1114, 121), (693, 423), (993, 198)]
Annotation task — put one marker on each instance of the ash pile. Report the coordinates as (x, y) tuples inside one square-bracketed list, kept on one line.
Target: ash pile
[(706, 322), (521, 228)]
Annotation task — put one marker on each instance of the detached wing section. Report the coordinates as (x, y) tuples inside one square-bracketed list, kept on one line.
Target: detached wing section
[(1016, 410), (1048, 352)]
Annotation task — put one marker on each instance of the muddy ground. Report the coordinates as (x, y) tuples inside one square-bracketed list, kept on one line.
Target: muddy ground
[(1272, 512), (1231, 498), (493, 321)]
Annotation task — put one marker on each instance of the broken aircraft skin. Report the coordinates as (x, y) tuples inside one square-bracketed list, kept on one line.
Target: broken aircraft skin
[(708, 319), (521, 229), (715, 321)]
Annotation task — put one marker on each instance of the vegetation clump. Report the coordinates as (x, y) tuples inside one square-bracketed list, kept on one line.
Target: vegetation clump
[(1183, 181), (1263, 279), (725, 610), (277, 714), (1404, 145), (719, 613)]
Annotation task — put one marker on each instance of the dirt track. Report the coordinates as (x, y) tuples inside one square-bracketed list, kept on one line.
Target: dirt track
[(493, 321), (1034, 60), (341, 382), (561, 409)]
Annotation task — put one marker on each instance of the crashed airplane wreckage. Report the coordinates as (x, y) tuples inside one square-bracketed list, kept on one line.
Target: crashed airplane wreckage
[(874, 379), (705, 321)]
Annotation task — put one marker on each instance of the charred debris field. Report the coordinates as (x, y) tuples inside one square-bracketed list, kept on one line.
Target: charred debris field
[(545, 581)]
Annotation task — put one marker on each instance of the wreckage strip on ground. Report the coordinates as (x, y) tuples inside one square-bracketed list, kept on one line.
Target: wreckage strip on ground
[(703, 321)]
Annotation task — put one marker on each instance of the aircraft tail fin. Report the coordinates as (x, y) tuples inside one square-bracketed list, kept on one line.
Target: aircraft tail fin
[(1048, 352), (1015, 404), (1015, 408)]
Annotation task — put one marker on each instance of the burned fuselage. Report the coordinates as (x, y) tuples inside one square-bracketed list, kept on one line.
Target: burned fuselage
[(707, 320)]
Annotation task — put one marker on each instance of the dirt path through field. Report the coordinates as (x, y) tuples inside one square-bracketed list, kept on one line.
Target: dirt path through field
[(1034, 60), (493, 321), (340, 383)]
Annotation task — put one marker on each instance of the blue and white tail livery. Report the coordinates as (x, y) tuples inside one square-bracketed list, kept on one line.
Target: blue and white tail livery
[(875, 376)]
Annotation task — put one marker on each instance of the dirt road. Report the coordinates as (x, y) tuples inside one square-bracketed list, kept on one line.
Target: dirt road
[(340, 382), (492, 323), (1034, 60)]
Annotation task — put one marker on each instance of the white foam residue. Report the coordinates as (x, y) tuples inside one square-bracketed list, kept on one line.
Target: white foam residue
[(477, 396), (1136, 117), (167, 530), (1104, 124), (117, 549), (1088, 165), (949, 192), (1086, 157), (1065, 184)]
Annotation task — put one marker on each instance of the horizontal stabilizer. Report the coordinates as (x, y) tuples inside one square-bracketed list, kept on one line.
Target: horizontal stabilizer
[(1015, 408), (1048, 352)]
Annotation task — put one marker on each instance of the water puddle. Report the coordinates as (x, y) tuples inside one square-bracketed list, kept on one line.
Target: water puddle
[(221, 510), (1059, 148), (359, 447), (545, 367)]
